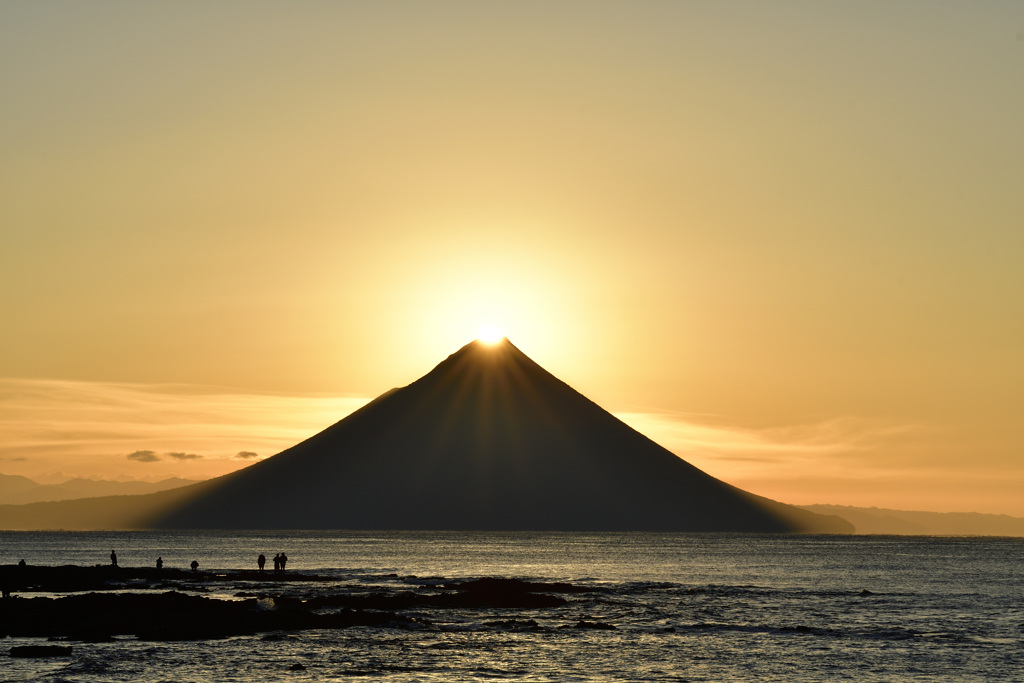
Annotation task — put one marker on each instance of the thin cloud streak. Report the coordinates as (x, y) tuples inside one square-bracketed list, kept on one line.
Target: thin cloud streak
[(844, 461), (143, 456), (59, 429), (185, 456), (790, 463), (830, 437)]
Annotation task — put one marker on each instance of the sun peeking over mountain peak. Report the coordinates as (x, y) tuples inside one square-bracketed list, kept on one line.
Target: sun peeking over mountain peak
[(490, 335)]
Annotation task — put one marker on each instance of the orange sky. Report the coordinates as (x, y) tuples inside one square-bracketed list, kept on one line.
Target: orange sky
[(782, 239)]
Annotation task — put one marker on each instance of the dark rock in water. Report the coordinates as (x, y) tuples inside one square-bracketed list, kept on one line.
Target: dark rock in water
[(493, 584), (296, 667), (491, 592), (177, 616), (865, 592), (514, 624), (595, 625), (472, 594), (73, 578), (166, 616), (41, 651)]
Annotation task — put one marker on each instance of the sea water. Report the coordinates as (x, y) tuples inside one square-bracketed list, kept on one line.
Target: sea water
[(684, 607)]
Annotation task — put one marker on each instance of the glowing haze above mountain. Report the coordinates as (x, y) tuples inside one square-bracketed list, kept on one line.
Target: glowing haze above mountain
[(782, 240)]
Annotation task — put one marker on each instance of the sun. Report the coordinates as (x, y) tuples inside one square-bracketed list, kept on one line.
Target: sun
[(490, 335)]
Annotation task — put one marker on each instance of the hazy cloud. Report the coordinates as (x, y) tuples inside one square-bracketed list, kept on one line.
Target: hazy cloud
[(84, 429), (185, 456), (825, 438), (761, 460), (247, 455), (143, 456)]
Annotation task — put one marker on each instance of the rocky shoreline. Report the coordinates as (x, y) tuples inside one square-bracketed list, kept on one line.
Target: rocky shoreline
[(103, 577), (104, 602)]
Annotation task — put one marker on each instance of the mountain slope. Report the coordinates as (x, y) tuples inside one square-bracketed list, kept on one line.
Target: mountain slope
[(487, 440)]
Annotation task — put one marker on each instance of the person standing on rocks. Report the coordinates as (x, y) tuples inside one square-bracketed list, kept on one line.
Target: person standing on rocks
[(113, 559), (284, 560), (260, 561)]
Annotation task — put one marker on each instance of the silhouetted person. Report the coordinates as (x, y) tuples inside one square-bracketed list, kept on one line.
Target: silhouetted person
[(21, 563), (277, 563), (284, 560), (113, 559), (260, 561), (195, 565), (159, 563)]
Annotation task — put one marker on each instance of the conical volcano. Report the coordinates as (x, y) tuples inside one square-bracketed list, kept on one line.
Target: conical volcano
[(488, 440)]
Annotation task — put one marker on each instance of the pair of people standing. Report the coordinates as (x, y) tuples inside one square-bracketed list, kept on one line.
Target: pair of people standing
[(279, 562)]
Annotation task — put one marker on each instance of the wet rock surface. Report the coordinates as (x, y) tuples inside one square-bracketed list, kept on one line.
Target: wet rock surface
[(105, 602), (74, 578), (481, 593), (165, 616), (41, 651)]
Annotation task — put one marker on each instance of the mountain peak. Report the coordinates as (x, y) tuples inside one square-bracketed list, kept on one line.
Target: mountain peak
[(483, 356), (485, 347)]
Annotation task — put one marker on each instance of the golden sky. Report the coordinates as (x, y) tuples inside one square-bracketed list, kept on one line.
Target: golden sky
[(785, 240)]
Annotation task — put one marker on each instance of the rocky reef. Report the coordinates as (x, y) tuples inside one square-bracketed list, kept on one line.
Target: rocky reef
[(104, 602)]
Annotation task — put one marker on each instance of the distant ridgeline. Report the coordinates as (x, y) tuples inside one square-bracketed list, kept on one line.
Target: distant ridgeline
[(904, 522), (488, 440), (16, 490)]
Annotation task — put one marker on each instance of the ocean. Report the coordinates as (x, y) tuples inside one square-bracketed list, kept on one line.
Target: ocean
[(679, 607)]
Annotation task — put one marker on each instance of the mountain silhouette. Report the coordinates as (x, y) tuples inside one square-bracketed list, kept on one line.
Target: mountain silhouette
[(488, 440)]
